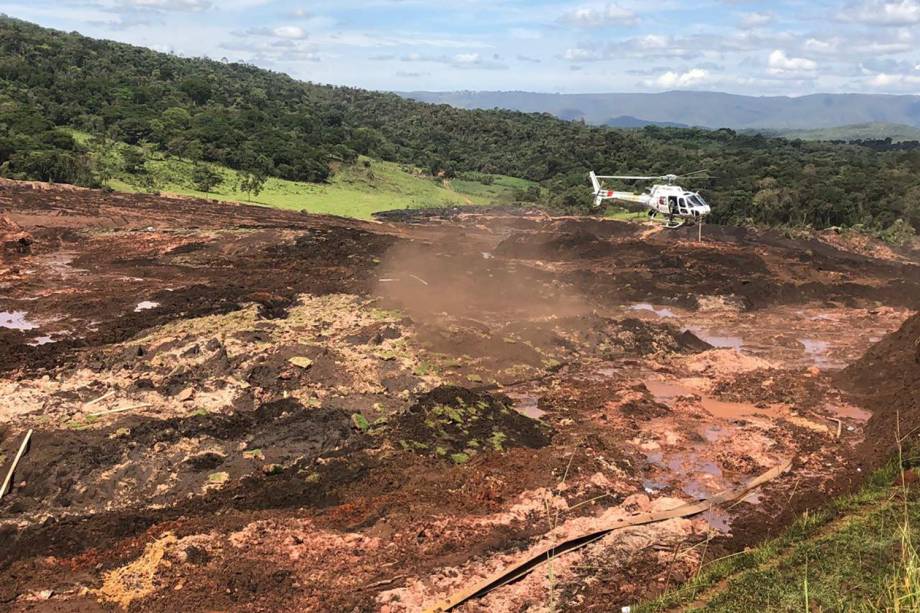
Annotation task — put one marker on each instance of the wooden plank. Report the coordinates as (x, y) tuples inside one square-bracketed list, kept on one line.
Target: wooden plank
[(133, 407), (9, 476), (523, 566)]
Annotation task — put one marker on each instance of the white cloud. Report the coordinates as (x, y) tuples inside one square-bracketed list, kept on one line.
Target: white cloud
[(161, 5), (780, 64), (601, 15), (467, 58), (891, 82), (580, 54), (691, 78), (756, 20), (289, 32), (876, 12)]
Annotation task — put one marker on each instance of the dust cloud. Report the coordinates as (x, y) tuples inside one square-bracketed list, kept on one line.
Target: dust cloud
[(427, 282)]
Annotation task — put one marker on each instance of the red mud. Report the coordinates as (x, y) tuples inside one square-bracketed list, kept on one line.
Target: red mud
[(249, 409)]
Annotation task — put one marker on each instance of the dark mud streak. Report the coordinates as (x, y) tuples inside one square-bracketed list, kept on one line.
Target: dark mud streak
[(61, 460)]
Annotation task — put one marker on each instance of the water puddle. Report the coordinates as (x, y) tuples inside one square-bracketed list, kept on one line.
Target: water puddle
[(719, 342), (527, 406), (662, 312), (16, 320), (688, 471), (734, 410), (146, 305), (38, 341), (60, 264), (819, 353), (714, 433), (668, 393), (848, 411), (718, 519)]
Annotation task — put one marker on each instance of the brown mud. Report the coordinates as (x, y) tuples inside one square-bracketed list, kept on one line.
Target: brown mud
[(250, 409)]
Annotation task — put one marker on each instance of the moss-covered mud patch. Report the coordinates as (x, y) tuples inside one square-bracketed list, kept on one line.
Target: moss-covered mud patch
[(457, 423)]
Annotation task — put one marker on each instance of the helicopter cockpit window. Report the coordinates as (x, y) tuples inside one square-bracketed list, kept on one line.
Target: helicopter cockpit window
[(697, 200)]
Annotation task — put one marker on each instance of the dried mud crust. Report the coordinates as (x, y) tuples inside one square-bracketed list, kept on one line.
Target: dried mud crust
[(247, 409)]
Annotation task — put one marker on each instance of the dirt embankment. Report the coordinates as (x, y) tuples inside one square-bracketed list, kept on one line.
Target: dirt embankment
[(887, 380), (241, 408)]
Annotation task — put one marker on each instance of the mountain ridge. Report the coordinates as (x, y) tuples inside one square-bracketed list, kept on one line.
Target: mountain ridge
[(712, 110)]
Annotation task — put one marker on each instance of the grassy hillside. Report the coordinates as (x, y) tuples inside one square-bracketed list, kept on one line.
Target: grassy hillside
[(357, 190)]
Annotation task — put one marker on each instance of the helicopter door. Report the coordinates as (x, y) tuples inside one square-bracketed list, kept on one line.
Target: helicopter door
[(672, 204), (682, 207)]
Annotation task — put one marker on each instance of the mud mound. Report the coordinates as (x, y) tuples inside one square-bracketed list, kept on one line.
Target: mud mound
[(577, 245), (457, 423), (638, 337), (12, 237), (887, 381)]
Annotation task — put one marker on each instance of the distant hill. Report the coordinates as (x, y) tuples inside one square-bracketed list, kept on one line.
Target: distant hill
[(627, 121), (898, 133), (702, 109)]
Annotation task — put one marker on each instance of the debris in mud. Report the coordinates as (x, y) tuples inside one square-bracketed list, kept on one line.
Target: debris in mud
[(136, 580), (457, 423), (13, 239)]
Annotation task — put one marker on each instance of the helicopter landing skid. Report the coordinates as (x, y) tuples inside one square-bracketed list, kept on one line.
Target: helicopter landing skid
[(673, 224)]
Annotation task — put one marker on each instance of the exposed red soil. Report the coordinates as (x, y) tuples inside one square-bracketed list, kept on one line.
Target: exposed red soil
[(249, 409)]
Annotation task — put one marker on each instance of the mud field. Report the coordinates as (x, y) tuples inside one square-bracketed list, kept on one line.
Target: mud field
[(237, 408)]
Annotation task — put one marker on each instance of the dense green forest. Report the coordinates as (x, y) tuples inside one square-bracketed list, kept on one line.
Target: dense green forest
[(267, 124)]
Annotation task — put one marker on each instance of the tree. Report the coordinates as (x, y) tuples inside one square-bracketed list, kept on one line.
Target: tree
[(205, 178), (133, 161), (252, 183)]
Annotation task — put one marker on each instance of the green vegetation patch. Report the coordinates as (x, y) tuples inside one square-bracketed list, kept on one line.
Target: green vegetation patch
[(457, 424)]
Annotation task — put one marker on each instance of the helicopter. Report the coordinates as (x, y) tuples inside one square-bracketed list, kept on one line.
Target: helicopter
[(679, 206)]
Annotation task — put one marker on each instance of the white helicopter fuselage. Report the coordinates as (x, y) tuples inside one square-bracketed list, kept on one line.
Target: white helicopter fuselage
[(669, 200)]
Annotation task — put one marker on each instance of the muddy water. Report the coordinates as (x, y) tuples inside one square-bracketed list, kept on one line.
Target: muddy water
[(16, 320), (669, 392), (527, 405), (662, 312), (848, 411), (719, 342)]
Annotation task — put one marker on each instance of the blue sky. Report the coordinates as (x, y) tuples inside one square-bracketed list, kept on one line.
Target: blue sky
[(744, 46)]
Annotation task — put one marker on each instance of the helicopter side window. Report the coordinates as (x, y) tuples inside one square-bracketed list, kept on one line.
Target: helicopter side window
[(682, 206)]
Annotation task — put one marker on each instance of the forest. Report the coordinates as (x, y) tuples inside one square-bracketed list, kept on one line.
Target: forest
[(264, 123)]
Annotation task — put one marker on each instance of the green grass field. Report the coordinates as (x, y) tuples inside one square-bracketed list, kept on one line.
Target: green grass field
[(358, 190)]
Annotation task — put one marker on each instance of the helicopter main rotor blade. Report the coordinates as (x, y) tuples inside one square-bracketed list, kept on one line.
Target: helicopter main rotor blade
[(630, 178)]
